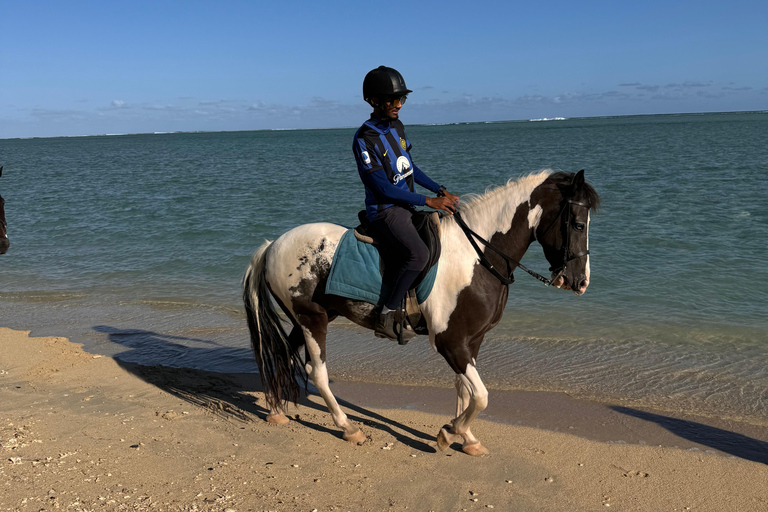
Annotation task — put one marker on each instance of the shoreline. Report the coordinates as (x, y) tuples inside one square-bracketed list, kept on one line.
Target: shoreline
[(610, 420), (87, 432), (666, 380), (588, 419)]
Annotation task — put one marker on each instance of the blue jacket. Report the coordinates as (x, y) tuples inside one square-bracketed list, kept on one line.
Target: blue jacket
[(382, 151)]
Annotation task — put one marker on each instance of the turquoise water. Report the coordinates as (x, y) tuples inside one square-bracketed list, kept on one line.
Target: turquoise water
[(135, 245)]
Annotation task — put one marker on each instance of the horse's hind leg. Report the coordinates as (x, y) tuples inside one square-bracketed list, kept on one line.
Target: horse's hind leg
[(296, 341), (315, 327)]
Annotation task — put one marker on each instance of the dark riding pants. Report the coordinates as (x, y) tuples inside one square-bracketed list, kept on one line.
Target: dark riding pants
[(404, 247)]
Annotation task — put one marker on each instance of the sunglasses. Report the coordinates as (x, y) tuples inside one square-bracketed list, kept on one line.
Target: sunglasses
[(395, 99)]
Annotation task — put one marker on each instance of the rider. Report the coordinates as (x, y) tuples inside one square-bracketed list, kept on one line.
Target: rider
[(382, 152)]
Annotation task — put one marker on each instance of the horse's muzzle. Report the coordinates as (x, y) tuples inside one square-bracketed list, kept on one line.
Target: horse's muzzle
[(579, 289), (558, 281)]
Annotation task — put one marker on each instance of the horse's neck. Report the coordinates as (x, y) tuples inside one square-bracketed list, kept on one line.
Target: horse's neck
[(498, 215), (494, 219)]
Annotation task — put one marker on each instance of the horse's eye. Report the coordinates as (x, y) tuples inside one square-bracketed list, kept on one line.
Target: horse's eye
[(579, 226)]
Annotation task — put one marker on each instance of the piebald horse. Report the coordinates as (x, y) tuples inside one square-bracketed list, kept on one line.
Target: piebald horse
[(4, 243), (467, 300)]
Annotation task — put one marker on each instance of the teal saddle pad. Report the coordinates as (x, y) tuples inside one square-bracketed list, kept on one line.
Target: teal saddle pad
[(355, 272)]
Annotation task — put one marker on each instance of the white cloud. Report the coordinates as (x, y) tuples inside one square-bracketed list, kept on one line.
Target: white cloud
[(193, 114)]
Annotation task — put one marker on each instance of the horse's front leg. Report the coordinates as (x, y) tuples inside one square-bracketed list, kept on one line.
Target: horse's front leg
[(463, 400), (472, 399), (315, 331)]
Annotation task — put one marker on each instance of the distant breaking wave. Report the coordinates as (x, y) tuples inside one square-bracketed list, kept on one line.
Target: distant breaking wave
[(550, 119)]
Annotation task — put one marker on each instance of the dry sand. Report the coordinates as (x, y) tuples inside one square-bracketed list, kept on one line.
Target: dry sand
[(84, 432)]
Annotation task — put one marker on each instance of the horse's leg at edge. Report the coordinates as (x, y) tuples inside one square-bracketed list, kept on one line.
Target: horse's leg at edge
[(315, 329)]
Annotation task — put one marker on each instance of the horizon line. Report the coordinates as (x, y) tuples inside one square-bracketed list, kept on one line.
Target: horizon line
[(414, 124)]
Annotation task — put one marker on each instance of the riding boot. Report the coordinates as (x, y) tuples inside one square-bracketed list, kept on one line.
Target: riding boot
[(389, 327)]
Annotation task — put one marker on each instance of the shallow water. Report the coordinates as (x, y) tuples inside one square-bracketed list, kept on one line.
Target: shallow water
[(135, 245)]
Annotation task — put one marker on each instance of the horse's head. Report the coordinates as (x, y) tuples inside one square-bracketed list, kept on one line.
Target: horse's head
[(4, 243), (563, 229)]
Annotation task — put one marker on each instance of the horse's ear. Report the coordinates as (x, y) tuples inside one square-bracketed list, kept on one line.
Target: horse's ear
[(578, 180)]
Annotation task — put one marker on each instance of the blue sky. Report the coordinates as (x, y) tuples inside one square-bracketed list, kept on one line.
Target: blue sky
[(80, 68)]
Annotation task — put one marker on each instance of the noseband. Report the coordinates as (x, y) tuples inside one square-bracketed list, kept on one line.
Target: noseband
[(511, 262)]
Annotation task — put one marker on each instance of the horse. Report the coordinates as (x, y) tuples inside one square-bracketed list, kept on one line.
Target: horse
[(467, 299), (4, 243)]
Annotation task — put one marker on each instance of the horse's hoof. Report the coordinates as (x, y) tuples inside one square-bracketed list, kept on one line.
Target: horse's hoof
[(442, 440), (356, 437), (445, 438), (475, 449), (277, 419)]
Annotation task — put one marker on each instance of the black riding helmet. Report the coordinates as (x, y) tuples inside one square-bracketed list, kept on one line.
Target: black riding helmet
[(383, 82)]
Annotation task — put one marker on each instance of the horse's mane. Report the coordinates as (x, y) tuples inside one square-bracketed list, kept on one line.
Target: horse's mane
[(501, 193), (495, 193), (496, 207)]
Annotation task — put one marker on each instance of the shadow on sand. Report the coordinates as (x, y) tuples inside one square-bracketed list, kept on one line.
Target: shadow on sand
[(725, 441), (231, 395)]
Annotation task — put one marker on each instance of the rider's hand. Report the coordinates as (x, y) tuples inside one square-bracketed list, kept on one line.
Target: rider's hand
[(455, 198), (446, 203)]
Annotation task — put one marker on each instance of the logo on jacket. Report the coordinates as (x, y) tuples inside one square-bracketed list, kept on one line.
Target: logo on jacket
[(366, 158), (403, 144), (403, 168)]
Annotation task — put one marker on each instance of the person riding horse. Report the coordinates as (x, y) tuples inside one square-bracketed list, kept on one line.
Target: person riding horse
[(382, 152)]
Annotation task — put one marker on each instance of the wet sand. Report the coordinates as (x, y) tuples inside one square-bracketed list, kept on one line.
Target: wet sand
[(85, 432), (596, 421)]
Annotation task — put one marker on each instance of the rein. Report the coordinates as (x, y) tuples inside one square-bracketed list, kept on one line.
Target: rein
[(471, 235), (511, 262)]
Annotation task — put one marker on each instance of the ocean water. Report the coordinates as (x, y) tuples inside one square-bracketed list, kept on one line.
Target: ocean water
[(135, 245)]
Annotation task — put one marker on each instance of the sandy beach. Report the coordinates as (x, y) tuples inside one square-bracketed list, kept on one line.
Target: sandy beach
[(85, 432)]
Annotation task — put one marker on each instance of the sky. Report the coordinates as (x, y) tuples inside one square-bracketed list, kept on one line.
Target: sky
[(89, 68)]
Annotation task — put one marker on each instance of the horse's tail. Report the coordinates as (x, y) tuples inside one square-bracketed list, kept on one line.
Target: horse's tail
[(279, 361)]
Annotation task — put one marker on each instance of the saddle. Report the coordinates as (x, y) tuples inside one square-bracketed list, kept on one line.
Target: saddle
[(427, 225)]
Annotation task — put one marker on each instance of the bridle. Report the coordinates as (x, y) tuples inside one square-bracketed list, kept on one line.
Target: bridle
[(511, 262), (567, 256)]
